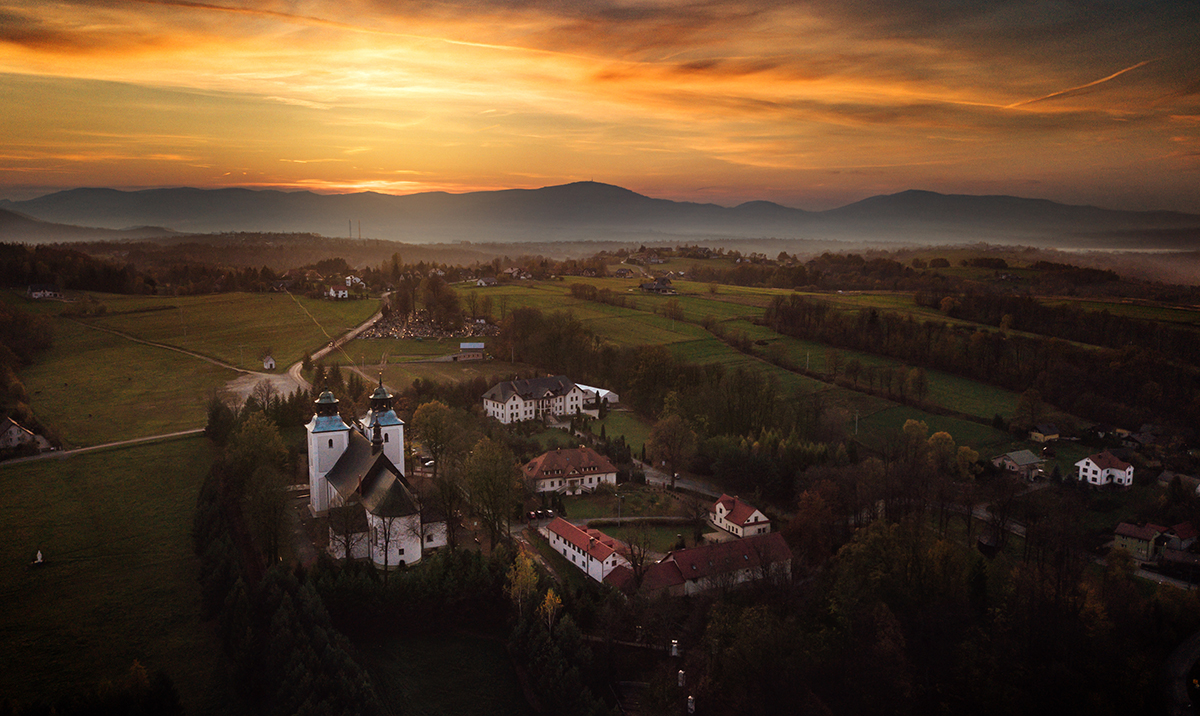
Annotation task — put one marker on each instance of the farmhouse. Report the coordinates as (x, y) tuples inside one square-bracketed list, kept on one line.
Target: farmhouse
[(485, 281), (356, 478), (658, 285), (720, 565), (738, 518), (39, 291), (337, 292), (1104, 468), (532, 399), (569, 471), (14, 435), (1144, 542), (1022, 462), (591, 551), (1044, 433), (469, 351)]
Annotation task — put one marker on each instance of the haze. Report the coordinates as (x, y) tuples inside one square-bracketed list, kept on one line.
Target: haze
[(812, 105)]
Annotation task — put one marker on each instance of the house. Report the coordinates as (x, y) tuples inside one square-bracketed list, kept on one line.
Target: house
[(1044, 433), (1144, 542), (1022, 462), (658, 285), (685, 572), (268, 363), (1182, 536), (352, 281), (591, 551), (469, 351), (338, 292), (38, 291), (569, 471), (14, 435), (532, 399), (623, 273), (356, 479), (1189, 482), (737, 517), (1104, 468), (485, 281), (1138, 441)]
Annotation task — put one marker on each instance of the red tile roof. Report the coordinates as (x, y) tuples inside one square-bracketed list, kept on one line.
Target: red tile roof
[(1185, 530), (572, 462), (1141, 532), (592, 542), (1106, 460), (712, 560), (736, 511)]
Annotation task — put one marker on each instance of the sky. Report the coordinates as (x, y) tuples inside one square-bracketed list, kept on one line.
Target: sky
[(810, 104)]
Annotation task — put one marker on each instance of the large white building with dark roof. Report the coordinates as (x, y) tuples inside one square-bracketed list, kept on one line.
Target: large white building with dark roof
[(1104, 468), (356, 478), (532, 399)]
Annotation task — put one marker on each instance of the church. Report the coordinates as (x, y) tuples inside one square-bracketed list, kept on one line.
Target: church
[(356, 479)]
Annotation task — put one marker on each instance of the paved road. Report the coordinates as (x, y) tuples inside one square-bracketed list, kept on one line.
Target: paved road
[(63, 454)]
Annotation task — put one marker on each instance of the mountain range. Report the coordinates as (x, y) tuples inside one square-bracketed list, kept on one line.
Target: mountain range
[(586, 211)]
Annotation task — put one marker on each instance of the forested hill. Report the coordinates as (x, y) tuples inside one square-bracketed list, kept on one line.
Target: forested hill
[(594, 211)]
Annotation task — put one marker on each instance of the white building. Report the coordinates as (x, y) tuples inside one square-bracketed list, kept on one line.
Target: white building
[(570, 471), (598, 395), (738, 518), (1104, 468), (532, 399), (591, 551), (14, 435), (356, 478)]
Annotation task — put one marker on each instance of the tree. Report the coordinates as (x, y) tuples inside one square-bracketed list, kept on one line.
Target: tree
[(549, 609), (522, 583), (492, 477), (672, 442), (637, 552), (263, 393), (1030, 407), (267, 509), (442, 434)]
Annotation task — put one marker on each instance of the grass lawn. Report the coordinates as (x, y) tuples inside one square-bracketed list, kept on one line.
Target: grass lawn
[(121, 580), (372, 351), (638, 502), (401, 375), (236, 327), (1106, 509), (876, 429), (624, 423), (95, 387), (662, 537), (449, 674)]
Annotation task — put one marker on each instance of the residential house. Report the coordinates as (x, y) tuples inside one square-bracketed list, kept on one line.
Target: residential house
[(1022, 462), (532, 399), (623, 273), (1104, 468), (1044, 433), (685, 572), (40, 291), (337, 292), (1144, 542), (738, 518), (14, 435), (570, 471), (658, 285), (356, 479), (485, 281), (591, 551)]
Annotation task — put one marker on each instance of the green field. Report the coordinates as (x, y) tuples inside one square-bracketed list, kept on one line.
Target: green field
[(235, 328), (372, 351), (120, 583), (455, 674), (401, 375), (624, 423), (637, 502), (95, 387), (662, 537)]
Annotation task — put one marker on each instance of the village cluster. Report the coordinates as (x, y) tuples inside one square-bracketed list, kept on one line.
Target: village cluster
[(378, 511)]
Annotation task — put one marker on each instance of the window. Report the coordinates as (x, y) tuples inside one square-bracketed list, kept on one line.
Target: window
[(385, 437), (428, 538), (401, 551), (330, 442)]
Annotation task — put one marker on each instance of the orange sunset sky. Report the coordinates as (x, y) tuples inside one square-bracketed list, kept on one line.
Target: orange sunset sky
[(810, 104)]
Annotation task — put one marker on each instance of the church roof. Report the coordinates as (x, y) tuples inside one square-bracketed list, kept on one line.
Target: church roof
[(387, 418), (373, 478), (328, 424)]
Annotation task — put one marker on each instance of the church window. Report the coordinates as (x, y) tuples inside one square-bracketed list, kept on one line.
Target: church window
[(385, 438), (330, 442), (401, 552), (428, 538)]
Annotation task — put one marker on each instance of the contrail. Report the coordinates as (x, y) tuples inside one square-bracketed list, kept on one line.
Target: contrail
[(1052, 95)]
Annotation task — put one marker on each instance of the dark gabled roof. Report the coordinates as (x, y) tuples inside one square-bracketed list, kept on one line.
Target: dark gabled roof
[(347, 520), (711, 560), (1022, 458), (530, 389), (1046, 429), (572, 462), (1145, 533), (371, 476)]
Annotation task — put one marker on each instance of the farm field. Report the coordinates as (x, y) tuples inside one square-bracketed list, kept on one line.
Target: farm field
[(120, 583), (455, 674), (877, 428), (95, 387), (235, 328), (1142, 311), (401, 375)]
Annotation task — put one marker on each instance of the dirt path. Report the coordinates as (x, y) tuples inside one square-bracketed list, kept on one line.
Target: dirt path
[(63, 454)]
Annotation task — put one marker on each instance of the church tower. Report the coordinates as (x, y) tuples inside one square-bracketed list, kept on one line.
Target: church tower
[(328, 438), (390, 425)]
